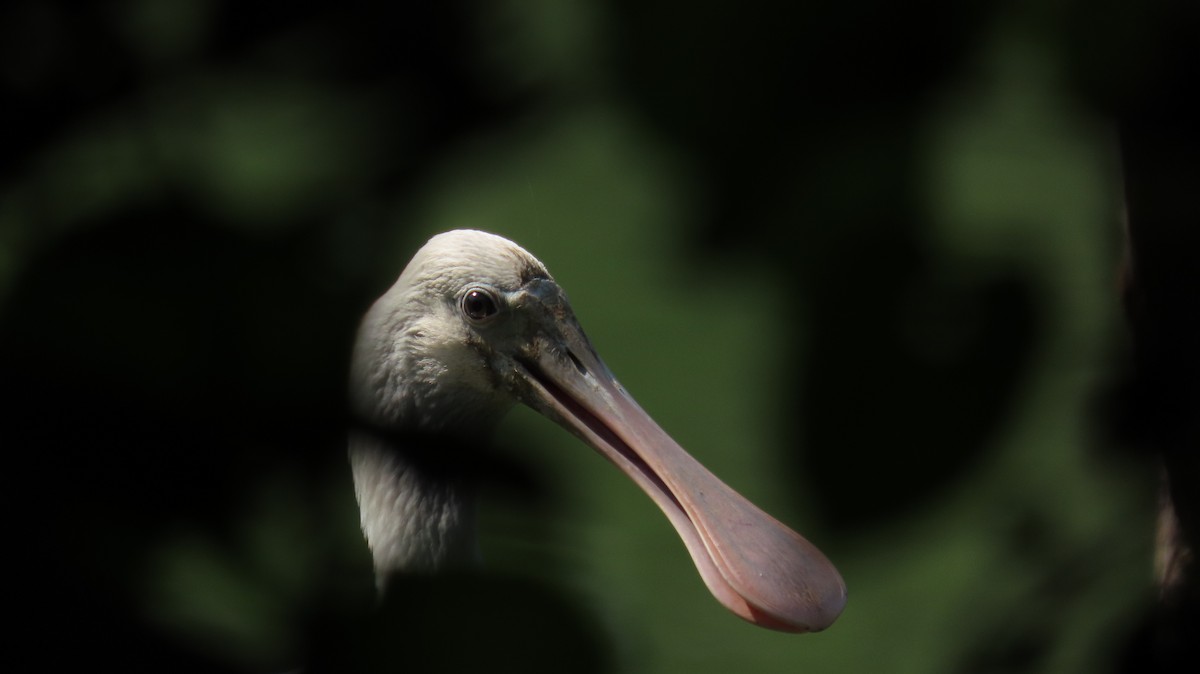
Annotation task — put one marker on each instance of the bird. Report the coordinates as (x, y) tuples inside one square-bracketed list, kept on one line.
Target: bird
[(474, 325)]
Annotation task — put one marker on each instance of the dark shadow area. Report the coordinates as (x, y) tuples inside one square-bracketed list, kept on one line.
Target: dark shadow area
[(1157, 405), (871, 389), (455, 623), (153, 377)]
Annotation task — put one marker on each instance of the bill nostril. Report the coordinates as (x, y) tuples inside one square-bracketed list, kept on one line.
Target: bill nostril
[(578, 363)]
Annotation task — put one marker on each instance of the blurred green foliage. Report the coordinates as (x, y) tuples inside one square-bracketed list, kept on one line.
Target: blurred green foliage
[(862, 267)]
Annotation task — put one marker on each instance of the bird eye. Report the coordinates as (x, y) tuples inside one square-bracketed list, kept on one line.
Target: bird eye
[(479, 304)]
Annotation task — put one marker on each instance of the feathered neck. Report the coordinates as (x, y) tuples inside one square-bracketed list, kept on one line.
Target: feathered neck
[(414, 519), (417, 510)]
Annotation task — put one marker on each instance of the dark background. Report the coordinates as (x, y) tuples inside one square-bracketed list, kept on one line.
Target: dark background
[(862, 258)]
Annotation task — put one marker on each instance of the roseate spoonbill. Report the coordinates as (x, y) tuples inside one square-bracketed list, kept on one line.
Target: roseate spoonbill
[(475, 324)]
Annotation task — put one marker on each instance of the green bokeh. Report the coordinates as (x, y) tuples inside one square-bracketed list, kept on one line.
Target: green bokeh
[(1014, 174)]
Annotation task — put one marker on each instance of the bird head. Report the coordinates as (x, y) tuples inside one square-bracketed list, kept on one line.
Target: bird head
[(476, 324)]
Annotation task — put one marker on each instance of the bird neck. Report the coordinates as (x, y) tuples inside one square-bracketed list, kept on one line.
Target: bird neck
[(415, 518), (420, 429)]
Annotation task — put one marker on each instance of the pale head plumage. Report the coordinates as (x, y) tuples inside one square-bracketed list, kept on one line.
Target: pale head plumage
[(418, 360)]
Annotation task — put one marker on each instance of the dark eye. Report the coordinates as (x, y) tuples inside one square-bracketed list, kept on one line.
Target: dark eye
[(479, 304)]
